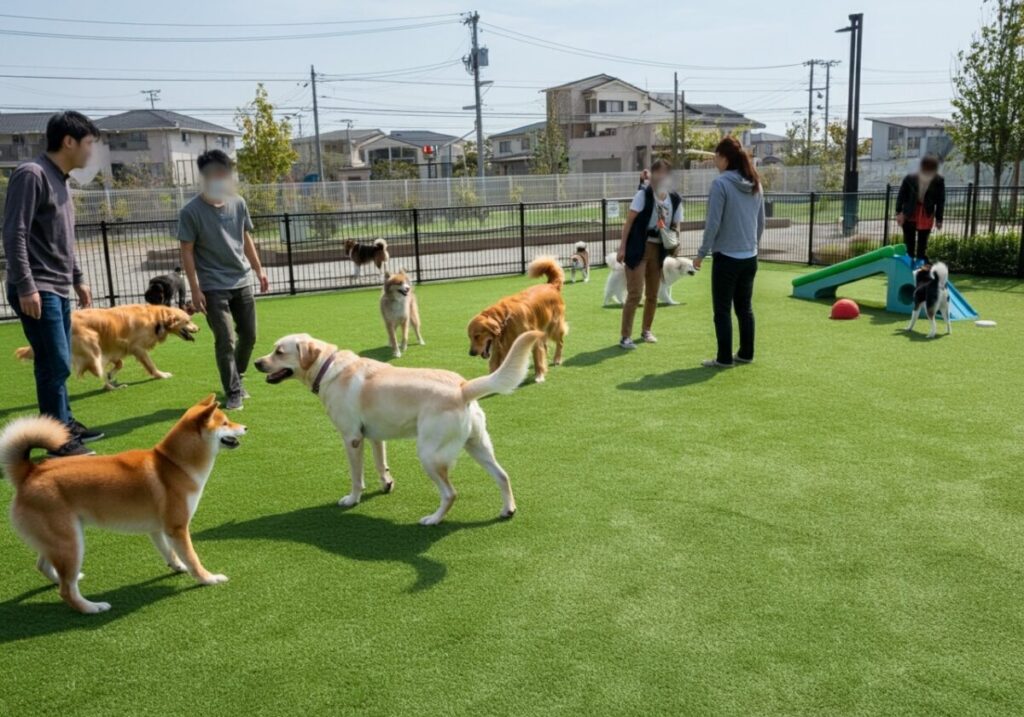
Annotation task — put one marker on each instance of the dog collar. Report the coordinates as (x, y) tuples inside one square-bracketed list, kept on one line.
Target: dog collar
[(322, 372)]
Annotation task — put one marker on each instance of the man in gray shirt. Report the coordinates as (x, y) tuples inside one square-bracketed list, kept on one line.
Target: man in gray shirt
[(39, 243), (219, 258)]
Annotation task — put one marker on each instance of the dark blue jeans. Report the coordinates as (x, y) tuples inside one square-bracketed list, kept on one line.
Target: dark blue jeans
[(50, 339), (732, 289)]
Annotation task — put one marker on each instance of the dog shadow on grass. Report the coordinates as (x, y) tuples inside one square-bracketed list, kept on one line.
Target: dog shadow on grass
[(592, 358), (381, 353), (33, 409), (352, 535), (22, 620), (673, 379), (129, 424)]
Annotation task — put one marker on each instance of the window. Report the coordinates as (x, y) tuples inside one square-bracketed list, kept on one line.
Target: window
[(186, 138), (505, 146), (632, 105), (224, 142), (524, 143), (591, 106), (608, 106), (18, 139)]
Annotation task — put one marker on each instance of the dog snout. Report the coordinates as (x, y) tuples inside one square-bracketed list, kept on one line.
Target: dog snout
[(472, 352), (260, 365)]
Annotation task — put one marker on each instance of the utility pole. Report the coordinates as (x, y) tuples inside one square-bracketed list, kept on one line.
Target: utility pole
[(810, 116), (851, 180), (316, 127), (829, 64), (473, 65), (153, 96), (682, 123), (348, 141), (675, 120)]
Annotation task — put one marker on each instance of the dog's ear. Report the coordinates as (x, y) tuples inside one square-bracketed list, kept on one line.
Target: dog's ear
[(209, 400), (308, 354)]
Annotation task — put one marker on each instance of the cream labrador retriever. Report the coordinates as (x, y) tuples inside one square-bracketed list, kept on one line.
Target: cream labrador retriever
[(374, 401)]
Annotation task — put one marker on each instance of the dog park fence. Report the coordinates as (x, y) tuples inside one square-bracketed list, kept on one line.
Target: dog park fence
[(305, 251)]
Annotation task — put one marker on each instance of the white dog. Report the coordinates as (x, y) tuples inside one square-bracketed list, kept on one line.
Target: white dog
[(674, 269), (375, 401)]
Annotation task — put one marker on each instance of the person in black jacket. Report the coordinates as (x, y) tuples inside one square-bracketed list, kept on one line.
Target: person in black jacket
[(919, 206)]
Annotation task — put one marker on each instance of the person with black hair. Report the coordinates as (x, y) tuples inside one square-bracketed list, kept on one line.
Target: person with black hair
[(219, 257), (42, 270), (920, 204)]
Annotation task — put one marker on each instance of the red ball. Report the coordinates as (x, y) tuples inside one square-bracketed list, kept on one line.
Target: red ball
[(845, 309)]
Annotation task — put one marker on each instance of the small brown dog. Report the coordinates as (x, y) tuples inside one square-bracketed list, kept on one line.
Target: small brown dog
[(539, 308), (152, 491), (580, 260), (102, 337), (361, 254), (399, 309)]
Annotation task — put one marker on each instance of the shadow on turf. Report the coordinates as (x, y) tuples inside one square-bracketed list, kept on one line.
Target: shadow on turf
[(673, 379), (381, 353), (31, 408), (351, 535), (592, 358), (20, 621), (127, 425)]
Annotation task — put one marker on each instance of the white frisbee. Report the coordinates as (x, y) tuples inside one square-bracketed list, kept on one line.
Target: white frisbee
[(985, 323)]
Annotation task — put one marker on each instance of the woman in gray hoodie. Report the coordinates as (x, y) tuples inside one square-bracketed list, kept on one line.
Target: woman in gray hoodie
[(732, 231)]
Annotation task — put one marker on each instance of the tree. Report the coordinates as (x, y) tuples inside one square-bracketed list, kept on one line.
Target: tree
[(698, 138), (266, 155), (988, 88), (550, 151), (465, 166), (396, 169)]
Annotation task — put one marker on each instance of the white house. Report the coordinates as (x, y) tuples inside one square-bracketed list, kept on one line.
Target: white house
[(512, 150), (913, 136), (768, 148), (342, 153), (432, 152)]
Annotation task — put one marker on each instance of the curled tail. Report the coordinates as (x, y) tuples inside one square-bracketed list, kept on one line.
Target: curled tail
[(509, 375), (547, 266), (581, 245), (20, 436), (941, 273), (25, 353), (380, 244)]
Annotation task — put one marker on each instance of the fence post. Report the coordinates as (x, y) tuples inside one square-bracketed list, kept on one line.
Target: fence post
[(416, 242), (888, 204), (604, 228), (288, 248), (522, 237), (967, 215), (1020, 253), (974, 212), (810, 232), (106, 262)]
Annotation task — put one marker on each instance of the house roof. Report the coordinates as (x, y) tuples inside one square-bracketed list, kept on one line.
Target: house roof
[(512, 157), (913, 121), (421, 138), (24, 122), (358, 135), (587, 83), (159, 119), (767, 137), (525, 129)]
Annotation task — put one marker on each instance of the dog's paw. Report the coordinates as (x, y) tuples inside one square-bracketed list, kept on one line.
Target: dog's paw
[(387, 485), (396, 353), (348, 501), (92, 608), (539, 378), (213, 579), (432, 519), (164, 374), (509, 513), (178, 567)]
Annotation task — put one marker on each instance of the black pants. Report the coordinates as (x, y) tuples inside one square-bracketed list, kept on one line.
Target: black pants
[(732, 287), (916, 240), (222, 309)]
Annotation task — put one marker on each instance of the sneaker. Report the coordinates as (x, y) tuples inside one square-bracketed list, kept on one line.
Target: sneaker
[(74, 447), (648, 338), (626, 343), (715, 363), (738, 359), (234, 403), (245, 394), (83, 434)]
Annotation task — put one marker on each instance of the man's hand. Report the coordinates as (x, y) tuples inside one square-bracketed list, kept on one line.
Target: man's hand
[(264, 282), (697, 262), (900, 219), (84, 295), (198, 300), (620, 255), (31, 305)]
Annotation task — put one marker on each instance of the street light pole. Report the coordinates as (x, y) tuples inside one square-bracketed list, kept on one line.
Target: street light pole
[(473, 21), (851, 179), (316, 127)]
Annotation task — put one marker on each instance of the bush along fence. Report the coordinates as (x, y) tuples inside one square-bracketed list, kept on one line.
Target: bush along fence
[(307, 251)]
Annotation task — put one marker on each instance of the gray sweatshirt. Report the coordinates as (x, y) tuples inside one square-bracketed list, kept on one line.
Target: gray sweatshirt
[(39, 230), (735, 217)]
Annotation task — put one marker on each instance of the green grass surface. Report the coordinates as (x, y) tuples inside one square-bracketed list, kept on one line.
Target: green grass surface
[(836, 529)]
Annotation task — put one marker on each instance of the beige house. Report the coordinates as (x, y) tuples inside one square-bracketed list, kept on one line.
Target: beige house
[(341, 151), (512, 150), (23, 137), (432, 153), (162, 144)]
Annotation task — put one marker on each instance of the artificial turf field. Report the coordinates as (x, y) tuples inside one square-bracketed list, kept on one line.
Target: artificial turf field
[(836, 529)]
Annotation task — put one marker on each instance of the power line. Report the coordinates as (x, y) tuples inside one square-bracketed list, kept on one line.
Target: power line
[(235, 24)]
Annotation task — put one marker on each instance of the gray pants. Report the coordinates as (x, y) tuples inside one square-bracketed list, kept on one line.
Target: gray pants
[(228, 312)]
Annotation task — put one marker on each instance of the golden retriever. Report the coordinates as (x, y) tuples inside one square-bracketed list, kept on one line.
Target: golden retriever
[(539, 308), (102, 337), (152, 491)]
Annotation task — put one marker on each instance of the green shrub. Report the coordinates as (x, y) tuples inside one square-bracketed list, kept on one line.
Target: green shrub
[(985, 254)]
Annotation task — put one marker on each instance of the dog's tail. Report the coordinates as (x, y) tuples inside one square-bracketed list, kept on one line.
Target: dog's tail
[(509, 375), (21, 436), (940, 272), (612, 260), (547, 266), (25, 353), (380, 244), (581, 246)]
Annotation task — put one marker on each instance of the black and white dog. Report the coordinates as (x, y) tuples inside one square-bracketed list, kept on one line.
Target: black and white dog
[(165, 288), (580, 260), (931, 294)]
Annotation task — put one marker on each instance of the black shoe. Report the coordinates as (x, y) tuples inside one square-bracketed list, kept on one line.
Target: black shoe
[(83, 434), (74, 447)]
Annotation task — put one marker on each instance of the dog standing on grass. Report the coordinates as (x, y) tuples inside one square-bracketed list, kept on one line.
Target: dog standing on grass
[(931, 295), (152, 491), (399, 309), (361, 254), (166, 288), (580, 260)]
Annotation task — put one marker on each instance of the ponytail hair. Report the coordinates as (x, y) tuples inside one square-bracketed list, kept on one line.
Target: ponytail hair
[(738, 159)]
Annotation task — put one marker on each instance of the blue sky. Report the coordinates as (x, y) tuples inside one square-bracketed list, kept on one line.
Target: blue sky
[(909, 49)]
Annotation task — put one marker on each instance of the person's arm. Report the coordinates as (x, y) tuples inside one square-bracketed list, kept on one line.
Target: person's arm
[(23, 196), (901, 200), (940, 203), (677, 218), (254, 261), (630, 218), (712, 222), (188, 264), (78, 280), (760, 218)]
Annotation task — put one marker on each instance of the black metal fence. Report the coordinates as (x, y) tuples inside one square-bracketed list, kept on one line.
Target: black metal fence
[(305, 252)]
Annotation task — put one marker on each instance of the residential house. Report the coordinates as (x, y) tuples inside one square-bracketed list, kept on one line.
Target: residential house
[(768, 148), (23, 137), (432, 152), (162, 144), (341, 151), (614, 126), (512, 150), (912, 136)]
